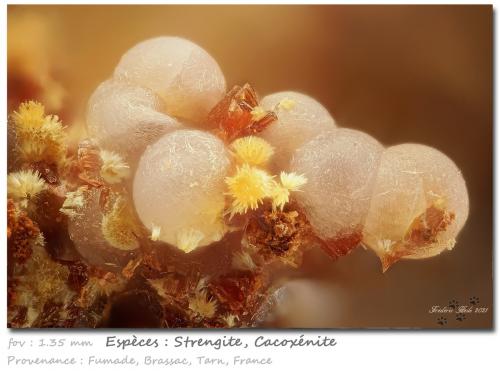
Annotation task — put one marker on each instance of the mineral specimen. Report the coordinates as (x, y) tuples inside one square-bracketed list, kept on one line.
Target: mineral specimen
[(111, 233)]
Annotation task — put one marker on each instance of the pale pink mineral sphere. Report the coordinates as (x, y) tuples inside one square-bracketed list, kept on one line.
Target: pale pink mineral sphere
[(179, 186), (410, 179), (184, 75), (300, 119), (340, 167), (126, 118)]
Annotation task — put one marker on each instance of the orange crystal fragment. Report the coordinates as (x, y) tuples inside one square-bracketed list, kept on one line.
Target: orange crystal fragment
[(233, 114), (342, 244)]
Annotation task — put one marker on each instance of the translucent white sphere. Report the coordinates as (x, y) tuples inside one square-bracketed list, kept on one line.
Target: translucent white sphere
[(300, 118), (125, 118), (419, 192), (85, 230), (184, 75), (340, 167), (179, 187)]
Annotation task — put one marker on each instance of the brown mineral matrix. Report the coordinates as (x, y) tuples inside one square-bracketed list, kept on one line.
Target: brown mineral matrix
[(21, 231), (279, 234)]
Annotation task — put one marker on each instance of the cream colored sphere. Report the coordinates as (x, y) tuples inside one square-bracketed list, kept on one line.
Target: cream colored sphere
[(411, 179), (183, 74), (179, 188), (126, 118), (340, 167), (300, 119)]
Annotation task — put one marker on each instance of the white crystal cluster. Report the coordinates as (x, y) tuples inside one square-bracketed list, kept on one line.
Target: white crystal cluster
[(405, 201)]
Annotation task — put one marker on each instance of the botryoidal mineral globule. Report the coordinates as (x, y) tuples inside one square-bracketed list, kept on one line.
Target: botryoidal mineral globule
[(185, 198)]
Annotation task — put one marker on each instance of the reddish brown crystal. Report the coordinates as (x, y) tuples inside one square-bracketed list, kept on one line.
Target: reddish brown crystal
[(426, 227), (232, 115), (238, 291), (423, 232), (89, 163), (78, 276), (342, 244)]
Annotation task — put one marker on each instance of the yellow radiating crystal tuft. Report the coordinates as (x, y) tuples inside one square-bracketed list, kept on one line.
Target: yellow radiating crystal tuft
[(29, 116), (287, 104), (24, 185), (292, 181), (39, 137), (248, 187), (114, 168), (188, 239), (155, 232), (119, 226), (252, 150), (243, 261), (280, 196), (199, 302), (230, 320)]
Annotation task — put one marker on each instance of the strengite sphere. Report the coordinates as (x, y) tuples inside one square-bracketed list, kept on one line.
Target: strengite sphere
[(340, 167), (125, 118), (184, 75), (179, 188), (300, 118), (419, 204), (85, 227)]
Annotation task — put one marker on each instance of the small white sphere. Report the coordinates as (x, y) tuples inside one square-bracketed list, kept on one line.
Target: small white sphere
[(184, 75), (300, 119), (340, 167), (179, 188), (125, 118)]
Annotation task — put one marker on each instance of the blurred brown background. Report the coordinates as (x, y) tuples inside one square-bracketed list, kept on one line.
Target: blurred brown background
[(400, 73)]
